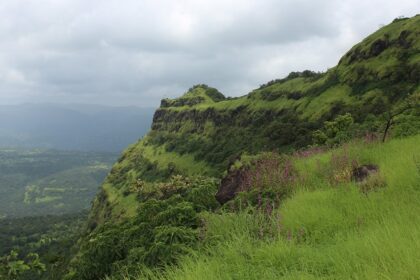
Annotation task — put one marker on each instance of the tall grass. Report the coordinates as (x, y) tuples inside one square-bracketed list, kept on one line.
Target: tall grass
[(324, 231)]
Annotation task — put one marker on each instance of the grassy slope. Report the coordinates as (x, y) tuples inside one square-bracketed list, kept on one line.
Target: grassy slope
[(318, 95), (323, 232), (378, 66)]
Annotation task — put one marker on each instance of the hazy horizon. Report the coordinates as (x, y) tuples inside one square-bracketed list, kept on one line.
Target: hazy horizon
[(72, 104), (73, 127)]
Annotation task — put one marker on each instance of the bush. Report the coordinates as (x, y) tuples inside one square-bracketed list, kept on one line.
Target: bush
[(166, 227), (335, 132)]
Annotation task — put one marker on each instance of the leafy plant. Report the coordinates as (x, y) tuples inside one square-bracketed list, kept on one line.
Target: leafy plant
[(166, 226), (12, 267), (335, 132)]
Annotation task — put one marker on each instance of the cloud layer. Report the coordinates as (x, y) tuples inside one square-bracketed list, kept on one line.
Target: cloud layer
[(135, 52)]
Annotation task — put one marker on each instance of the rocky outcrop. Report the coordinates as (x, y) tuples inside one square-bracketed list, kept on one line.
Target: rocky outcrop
[(231, 185), (361, 173), (377, 47)]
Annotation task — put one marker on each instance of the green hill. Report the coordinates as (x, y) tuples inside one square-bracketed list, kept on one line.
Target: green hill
[(154, 211)]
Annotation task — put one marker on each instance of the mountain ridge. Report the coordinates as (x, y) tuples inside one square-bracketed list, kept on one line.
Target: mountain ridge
[(194, 136), (203, 133)]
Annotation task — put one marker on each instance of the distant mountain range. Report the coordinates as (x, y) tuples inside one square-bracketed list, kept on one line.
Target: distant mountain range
[(72, 127)]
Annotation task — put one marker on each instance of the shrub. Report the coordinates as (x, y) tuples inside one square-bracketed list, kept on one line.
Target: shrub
[(334, 132), (165, 227), (339, 168), (268, 176)]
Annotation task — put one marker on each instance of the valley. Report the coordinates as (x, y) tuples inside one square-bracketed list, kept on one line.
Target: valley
[(42, 182), (312, 176)]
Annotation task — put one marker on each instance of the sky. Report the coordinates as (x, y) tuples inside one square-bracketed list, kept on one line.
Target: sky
[(136, 52)]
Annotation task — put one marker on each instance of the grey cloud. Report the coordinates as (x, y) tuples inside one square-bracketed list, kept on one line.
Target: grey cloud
[(136, 52)]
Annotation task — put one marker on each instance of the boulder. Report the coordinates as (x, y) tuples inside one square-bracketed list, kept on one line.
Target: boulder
[(361, 173), (230, 185)]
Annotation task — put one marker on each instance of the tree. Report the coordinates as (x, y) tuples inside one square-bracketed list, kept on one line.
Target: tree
[(334, 132), (412, 102)]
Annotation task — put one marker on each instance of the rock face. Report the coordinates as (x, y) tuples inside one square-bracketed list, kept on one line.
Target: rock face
[(230, 186), (361, 173), (377, 47)]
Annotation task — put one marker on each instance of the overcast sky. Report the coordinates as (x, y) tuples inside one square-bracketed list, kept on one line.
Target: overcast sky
[(136, 52)]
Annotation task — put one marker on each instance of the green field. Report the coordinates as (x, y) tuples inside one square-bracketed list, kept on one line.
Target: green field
[(43, 182)]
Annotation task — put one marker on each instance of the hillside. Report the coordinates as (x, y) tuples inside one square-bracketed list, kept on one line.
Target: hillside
[(325, 230), (202, 132), (153, 209)]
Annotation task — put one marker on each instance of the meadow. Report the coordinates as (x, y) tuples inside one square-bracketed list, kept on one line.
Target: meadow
[(325, 230)]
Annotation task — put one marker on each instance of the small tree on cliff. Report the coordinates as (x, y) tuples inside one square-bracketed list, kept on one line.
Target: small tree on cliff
[(412, 102), (334, 132)]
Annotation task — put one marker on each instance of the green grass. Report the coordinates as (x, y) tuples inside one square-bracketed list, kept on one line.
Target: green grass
[(122, 206), (185, 163), (329, 228), (320, 105), (322, 232), (375, 68)]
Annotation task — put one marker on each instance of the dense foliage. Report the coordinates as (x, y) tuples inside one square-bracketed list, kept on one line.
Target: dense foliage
[(166, 226), (38, 247)]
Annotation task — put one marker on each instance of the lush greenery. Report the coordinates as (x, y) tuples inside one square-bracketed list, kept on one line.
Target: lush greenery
[(38, 247), (165, 227), (371, 81), (298, 211), (330, 228), (41, 182), (318, 174)]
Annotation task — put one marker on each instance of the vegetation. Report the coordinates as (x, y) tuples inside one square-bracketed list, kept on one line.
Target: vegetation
[(41, 182), (165, 227), (38, 247), (12, 267), (372, 83), (314, 176), (36, 183), (308, 189), (331, 227)]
